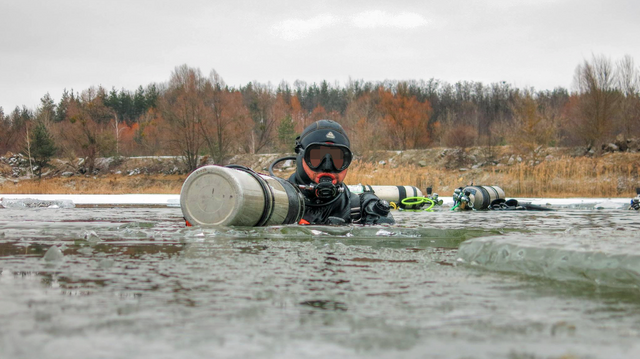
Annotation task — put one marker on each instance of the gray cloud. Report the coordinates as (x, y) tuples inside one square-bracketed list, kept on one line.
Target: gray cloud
[(296, 29), (382, 19), (48, 46)]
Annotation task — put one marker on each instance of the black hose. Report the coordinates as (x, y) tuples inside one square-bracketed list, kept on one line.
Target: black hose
[(307, 201), (278, 161)]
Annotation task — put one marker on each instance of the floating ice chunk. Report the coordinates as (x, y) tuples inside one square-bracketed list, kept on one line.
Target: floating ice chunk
[(613, 262), (384, 233), (91, 236), (106, 263), (86, 251), (54, 254), (609, 205), (35, 203)]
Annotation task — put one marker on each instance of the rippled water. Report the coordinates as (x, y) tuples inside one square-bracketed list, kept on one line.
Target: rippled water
[(134, 283)]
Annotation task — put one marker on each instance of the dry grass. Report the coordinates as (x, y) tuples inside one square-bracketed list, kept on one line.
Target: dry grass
[(615, 175), (588, 177), (112, 184), (609, 176)]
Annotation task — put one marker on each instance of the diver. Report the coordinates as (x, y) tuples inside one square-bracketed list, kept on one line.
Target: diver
[(635, 202), (489, 198), (323, 156)]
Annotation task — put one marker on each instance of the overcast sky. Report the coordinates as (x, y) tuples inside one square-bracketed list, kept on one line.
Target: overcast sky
[(47, 46)]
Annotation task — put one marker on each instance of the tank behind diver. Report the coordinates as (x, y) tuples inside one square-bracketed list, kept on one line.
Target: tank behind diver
[(420, 203), (402, 198), (489, 198)]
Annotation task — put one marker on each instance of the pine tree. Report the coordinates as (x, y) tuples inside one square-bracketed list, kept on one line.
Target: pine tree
[(61, 109), (42, 147), (47, 109), (286, 134)]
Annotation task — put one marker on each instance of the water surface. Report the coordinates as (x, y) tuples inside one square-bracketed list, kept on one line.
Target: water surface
[(134, 283)]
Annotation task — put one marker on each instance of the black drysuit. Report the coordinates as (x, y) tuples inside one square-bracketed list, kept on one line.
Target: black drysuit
[(345, 208)]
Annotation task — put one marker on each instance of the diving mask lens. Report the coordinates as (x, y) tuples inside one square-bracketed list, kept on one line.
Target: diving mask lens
[(316, 153)]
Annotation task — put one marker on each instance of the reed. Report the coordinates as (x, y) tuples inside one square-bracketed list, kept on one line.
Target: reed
[(582, 176), (112, 184), (563, 177), (615, 175)]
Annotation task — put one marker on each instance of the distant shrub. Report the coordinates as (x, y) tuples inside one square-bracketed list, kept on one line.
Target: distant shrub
[(462, 136)]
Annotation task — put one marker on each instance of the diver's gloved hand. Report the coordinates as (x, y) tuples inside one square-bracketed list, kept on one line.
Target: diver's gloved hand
[(374, 210)]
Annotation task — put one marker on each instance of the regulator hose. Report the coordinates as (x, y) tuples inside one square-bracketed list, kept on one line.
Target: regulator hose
[(412, 201), (281, 159)]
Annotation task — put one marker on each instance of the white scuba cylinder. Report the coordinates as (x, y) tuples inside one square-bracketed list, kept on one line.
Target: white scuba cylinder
[(393, 194), (215, 195)]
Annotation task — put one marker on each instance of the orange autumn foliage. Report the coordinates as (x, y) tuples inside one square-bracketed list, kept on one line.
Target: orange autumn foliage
[(405, 118)]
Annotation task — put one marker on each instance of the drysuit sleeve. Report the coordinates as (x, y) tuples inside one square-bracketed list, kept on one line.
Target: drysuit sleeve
[(374, 210)]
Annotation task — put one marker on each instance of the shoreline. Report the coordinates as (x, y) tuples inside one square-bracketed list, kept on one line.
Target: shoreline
[(548, 173), (173, 200)]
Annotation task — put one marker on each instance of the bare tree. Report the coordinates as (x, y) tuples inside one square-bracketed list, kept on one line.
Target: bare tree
[(82, 133), (228, 123), (5, 130), (28, 150), (260, 102), (532, 126), (363, 122), (629, 84), (182, 106), (147, 135), (118, 127), (596, 84)]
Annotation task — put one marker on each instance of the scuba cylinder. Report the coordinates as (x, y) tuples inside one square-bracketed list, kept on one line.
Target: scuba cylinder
[(477, 197), (392, 194), (489, 198), (237, 196)]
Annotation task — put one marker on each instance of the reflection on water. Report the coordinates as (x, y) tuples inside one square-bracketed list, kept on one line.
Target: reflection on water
[(135, 283)]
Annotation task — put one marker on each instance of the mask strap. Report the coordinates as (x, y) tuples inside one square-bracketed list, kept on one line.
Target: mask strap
[(298, 147)]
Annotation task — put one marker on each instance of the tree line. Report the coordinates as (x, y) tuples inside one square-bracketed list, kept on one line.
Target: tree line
[(194, 114)]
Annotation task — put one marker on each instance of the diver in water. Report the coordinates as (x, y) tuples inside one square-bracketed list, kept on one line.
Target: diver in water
[(635, 202), (323, 156), (489, 198)]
